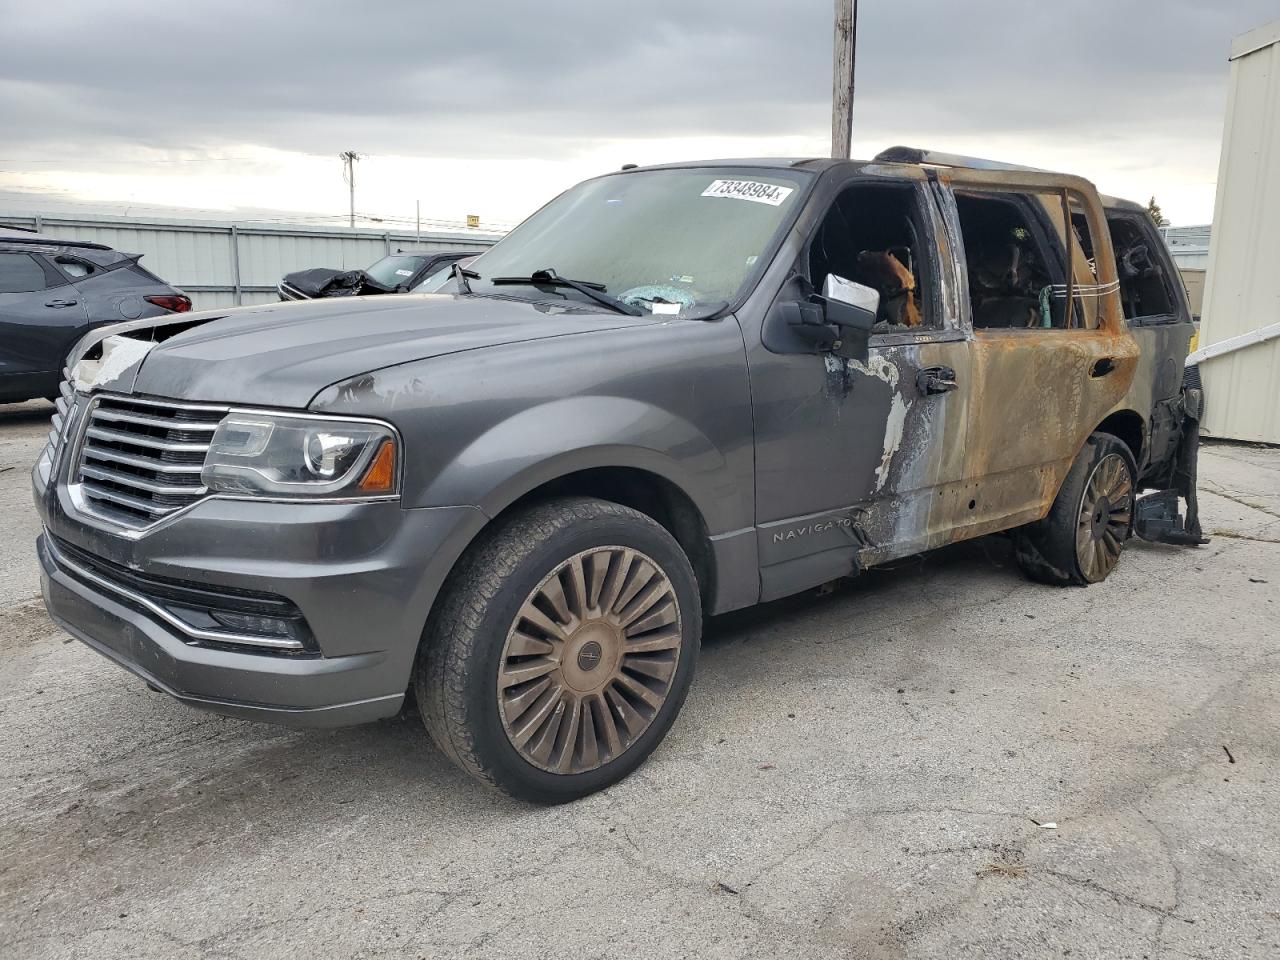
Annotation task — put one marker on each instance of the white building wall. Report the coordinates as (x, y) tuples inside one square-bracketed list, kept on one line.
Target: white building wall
[(1242, 288)]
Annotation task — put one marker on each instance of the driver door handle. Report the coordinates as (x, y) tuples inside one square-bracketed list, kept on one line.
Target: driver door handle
[(61, 303), (1102, 367), (932, 380)]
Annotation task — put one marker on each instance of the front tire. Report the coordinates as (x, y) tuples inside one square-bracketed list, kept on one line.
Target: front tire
[(561, 650), (1081, 539)]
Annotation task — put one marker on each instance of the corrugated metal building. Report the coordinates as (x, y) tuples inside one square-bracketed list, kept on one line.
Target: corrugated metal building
[(1242, 292), (1189, 247), (227, 264)]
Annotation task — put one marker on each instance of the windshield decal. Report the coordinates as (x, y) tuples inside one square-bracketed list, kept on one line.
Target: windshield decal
[(404, 273), (752, 190)]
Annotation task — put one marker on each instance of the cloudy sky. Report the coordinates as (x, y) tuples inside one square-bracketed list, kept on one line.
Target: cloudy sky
[(490, 107)]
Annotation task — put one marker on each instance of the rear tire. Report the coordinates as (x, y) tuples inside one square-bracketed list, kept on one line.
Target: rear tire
[(1081, 539), (561, 649)]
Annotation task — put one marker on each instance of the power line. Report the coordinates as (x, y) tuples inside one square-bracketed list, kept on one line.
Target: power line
[(81, 160)]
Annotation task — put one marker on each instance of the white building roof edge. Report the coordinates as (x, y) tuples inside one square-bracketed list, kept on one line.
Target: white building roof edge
[(1255, 40)]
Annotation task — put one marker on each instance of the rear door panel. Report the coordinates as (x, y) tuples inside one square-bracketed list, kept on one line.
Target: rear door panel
[(1039, 393)]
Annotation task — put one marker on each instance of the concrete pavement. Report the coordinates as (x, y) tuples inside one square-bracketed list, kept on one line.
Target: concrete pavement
[(866, 774)]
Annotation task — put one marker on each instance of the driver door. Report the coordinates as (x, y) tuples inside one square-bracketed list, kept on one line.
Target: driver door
[(861, 461)]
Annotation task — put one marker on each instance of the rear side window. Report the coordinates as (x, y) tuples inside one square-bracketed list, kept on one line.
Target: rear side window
[(1016, 248), (73, 268), (1146, 289), (21, 273)]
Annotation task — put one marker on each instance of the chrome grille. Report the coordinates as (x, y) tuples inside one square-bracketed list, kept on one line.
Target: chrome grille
[(61, 413), (140, 460)]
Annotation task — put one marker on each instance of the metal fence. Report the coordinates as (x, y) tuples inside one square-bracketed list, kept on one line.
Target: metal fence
[(229, 264)]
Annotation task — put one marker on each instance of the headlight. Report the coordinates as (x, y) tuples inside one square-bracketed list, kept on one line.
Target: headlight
[(268, 455)]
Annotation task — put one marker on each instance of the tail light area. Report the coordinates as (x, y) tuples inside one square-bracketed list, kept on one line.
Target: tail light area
[(173, 302)]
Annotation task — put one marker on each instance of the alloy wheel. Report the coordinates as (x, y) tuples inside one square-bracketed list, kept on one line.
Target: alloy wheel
[(590, 660), (1106, 511)]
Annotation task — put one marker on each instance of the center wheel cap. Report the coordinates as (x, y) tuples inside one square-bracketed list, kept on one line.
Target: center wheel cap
[(589, 656)]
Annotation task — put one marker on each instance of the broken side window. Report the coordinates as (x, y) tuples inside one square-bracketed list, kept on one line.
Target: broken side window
[(1015, 249), (875, 234), (1146, 292)]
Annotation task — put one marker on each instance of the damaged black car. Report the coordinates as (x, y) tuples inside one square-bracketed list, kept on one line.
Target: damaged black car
[(395, 273)]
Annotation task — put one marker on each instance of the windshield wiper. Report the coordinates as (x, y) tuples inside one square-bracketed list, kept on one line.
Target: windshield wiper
[(461, 274), (547, 277)]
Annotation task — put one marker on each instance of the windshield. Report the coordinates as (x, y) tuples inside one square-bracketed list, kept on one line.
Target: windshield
[(665, 241), (395, 270)]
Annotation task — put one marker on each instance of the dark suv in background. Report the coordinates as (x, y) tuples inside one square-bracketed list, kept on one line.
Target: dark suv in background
[(53, 291)]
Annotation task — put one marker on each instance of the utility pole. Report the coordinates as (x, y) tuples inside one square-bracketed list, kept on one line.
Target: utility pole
[(846, 33), (349, 158), (417, 206)]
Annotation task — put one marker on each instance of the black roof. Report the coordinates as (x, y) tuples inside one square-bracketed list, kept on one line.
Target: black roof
[(98, 253)]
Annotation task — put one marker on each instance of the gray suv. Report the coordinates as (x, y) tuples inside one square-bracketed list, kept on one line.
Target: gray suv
[(53, 291), (672, 392)]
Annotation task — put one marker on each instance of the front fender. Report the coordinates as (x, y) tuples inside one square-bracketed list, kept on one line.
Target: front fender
[(564, 436)]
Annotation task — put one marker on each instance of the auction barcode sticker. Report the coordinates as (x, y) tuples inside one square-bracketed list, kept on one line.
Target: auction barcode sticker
[(752, 190)]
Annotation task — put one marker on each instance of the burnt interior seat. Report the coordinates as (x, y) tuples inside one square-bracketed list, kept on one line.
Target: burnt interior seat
[(1006, 313)]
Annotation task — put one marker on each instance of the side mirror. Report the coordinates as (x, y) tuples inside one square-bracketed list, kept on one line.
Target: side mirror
[(839, 321), (851, 308), (853, 294)]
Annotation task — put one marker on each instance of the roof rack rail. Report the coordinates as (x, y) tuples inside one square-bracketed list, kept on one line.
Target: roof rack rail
[(40, 238), (937, 158)]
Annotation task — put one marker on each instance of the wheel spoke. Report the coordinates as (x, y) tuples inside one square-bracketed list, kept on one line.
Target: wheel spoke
[(516, 705), (638, 577), (540, 746), (598, 565), (650, 667), (589, 741), (553, 590), (638, 690), (619, 564), (525, 645), (608, 728), (1084, 542), (1112, 544), (659, 615), (567, 741), (523, 671), (524, 729), (577, 593), (652, 643), (627, 715), (540, 620), (644, 600)]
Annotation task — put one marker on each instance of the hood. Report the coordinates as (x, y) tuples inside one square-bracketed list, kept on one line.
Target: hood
[(283, 354)]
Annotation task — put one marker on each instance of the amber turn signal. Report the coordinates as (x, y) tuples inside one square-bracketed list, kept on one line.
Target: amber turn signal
[(381, 475)]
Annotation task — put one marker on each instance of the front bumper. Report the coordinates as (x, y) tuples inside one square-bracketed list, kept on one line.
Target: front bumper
[(363, 575)]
